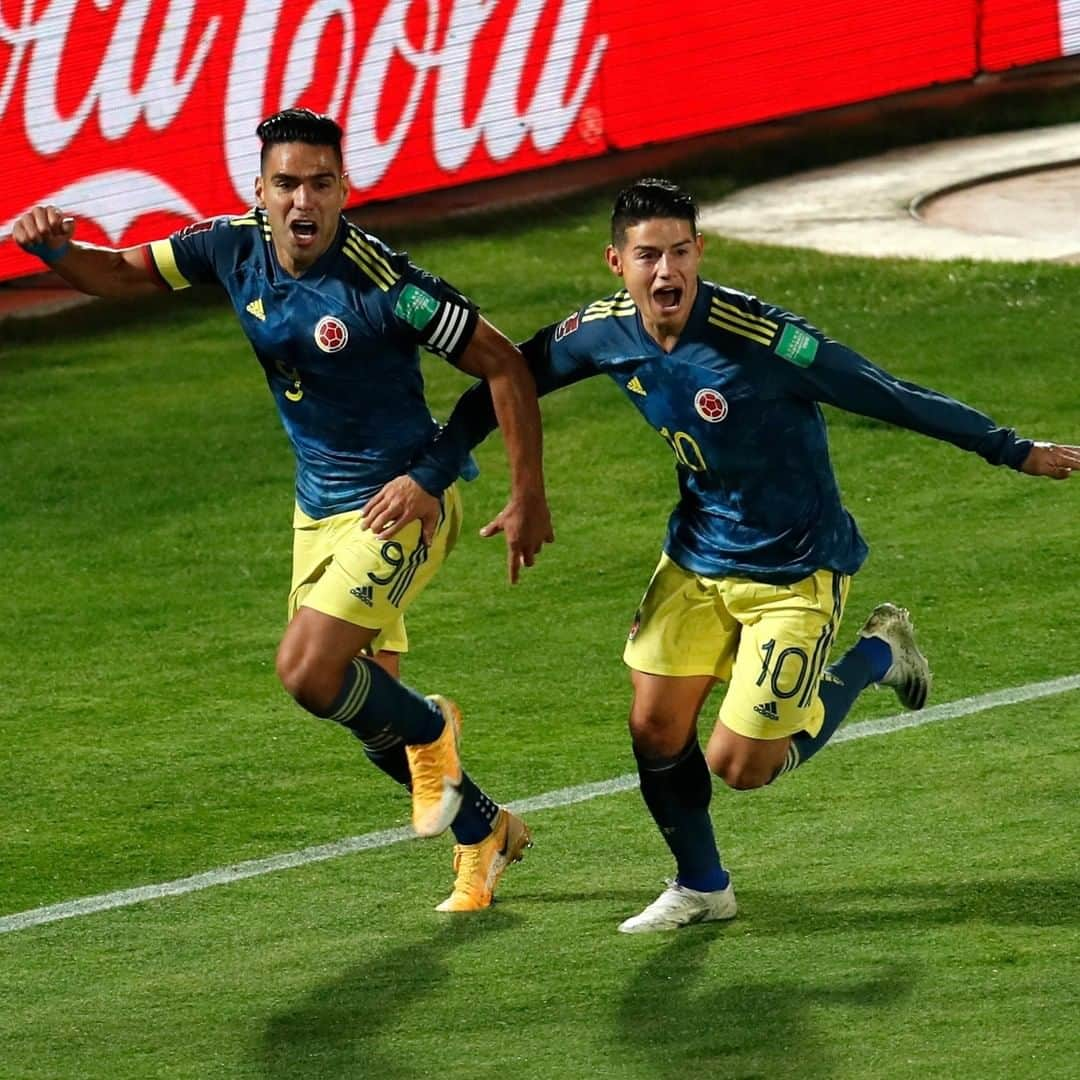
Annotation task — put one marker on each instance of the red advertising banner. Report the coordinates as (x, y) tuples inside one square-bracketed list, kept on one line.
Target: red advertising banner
[(760, 59), (1024, 31), (138, 116)]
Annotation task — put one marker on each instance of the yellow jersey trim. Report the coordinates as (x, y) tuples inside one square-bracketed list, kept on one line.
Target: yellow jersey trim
[(618, 306), (722, 307), (736, 321), (370, 260), (761, 337), (161, 251)]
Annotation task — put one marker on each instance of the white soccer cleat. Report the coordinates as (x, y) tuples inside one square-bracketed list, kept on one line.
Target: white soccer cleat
[(909, 674), (678, 906)]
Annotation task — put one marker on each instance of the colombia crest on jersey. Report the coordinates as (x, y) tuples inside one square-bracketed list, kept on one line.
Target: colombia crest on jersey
[(338, 345), (737, 400)]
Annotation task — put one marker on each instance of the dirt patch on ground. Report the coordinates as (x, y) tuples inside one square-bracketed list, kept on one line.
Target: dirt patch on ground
[(1042, 204), (1009, 197)]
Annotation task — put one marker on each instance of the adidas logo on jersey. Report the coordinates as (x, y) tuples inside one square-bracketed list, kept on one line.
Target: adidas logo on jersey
[(365, 594), (256, 308), (635, 387), (768, 710)]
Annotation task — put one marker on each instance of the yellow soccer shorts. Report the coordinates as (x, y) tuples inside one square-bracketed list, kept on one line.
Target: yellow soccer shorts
[(770, 643), (342, 569)]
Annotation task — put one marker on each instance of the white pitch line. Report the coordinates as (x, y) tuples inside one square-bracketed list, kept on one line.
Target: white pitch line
[(88, 905), (1013, 695)]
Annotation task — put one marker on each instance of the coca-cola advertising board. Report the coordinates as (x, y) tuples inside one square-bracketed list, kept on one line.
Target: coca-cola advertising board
[(138, 116), (761, 59), (1014, 32)]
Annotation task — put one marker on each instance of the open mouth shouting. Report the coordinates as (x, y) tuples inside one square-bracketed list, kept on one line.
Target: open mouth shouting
[(304, 231), (667, 299)]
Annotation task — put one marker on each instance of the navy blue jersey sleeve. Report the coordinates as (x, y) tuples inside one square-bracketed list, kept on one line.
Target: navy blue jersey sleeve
[(554, 363), (823, 370), (198, 254), (430, 312)]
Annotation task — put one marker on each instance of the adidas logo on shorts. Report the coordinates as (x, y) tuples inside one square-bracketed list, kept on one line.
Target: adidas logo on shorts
[(365, 594), (768, 710)]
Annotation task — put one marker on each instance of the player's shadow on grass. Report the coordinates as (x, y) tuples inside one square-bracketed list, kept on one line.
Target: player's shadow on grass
[(347, 1027), (1035, 901), (684, 1015)]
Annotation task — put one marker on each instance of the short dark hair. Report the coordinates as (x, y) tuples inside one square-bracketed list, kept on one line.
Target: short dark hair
[(650, 198), (299, 125)]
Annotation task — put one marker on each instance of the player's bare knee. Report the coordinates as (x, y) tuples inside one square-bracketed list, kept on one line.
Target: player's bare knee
[(654, 737), (305, 678), (747, 777), (738, 772)]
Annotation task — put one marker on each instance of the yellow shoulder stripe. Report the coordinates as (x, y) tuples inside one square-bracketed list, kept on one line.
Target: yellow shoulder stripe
[(618, 313), (722, 307), (249, 219), (618, 306), (736, 321), (372, 272), (377, 265), (161, 251), (762, 337)]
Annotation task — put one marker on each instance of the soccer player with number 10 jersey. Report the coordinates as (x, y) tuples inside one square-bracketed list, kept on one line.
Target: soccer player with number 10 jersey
[(760, 551)]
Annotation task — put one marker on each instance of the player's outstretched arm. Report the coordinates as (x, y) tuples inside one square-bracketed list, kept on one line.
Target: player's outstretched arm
[(1051, 459), (525, 520), (44, 231)]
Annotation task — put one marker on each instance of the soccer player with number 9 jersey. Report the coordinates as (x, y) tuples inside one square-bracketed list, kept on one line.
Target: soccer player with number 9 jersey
[(336, 318)]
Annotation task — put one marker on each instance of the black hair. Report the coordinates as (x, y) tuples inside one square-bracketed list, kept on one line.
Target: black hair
[(650, 198), (299, 125)]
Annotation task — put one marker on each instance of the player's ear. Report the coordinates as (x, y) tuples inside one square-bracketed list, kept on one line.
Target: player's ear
[(613, 259), (345, 189), (259, 191)]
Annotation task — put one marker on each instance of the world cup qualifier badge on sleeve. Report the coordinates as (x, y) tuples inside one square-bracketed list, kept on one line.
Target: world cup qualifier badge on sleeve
[(416, 307)]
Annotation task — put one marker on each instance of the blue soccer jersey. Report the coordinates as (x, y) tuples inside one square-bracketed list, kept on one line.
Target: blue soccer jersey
[(339, 346), (737, 401)]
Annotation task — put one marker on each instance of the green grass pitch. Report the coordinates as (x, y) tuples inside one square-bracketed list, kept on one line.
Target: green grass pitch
[(909, 902)]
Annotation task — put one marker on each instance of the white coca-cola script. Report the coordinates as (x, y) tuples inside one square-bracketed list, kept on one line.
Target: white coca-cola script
[(187, 55)]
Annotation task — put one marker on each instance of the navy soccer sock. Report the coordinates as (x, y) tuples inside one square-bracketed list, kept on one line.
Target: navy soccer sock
[(677, 792), (384, 715), (865, 663), (374, 706), (477, 815), (478, 812), (387, 752)]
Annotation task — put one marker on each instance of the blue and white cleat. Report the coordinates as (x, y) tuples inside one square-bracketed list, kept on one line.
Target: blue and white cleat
[(909, 675)]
